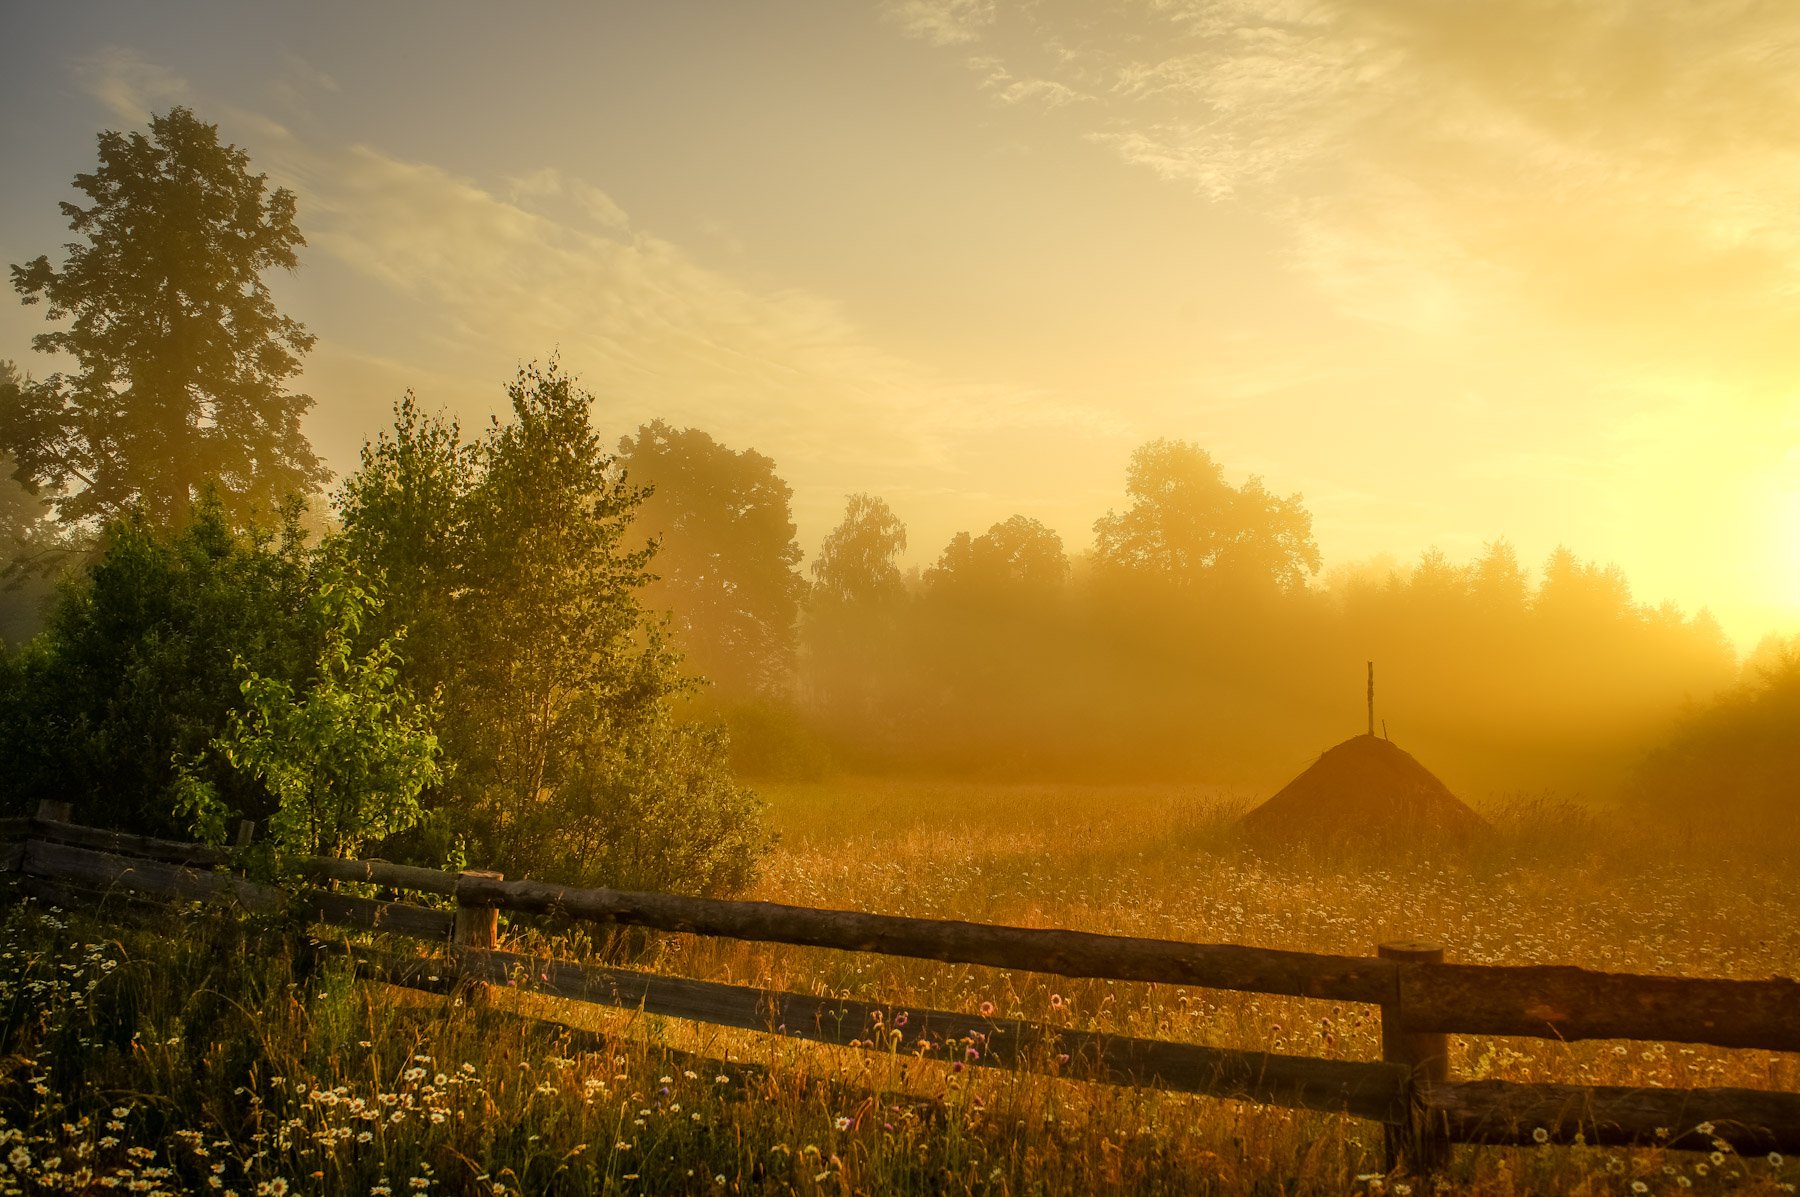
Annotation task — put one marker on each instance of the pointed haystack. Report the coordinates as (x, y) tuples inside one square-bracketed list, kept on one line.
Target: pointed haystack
[(1365, 788)]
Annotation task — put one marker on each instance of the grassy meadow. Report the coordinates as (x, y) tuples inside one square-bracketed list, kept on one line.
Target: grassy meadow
[(236, 1057)]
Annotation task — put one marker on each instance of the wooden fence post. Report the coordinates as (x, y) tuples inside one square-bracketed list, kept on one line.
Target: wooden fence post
[(1417, 1143), (477, 927), (52, 811)]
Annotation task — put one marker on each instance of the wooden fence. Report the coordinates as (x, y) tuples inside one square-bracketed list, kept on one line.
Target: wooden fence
[(1421, 998)]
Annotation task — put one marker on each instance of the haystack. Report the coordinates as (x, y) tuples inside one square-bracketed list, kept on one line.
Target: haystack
[(1364, 789)]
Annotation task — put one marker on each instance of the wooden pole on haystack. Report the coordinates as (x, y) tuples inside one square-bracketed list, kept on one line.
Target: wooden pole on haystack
[(1371, 698)]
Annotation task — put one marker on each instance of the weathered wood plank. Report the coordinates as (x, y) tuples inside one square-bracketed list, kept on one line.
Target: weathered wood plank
[(69, 865), (379, 872), (15, 827), (1751, 1120), (366, 914), (12, 856), (1376, 1091), (122, 843), (105, 871), (1560, 1002), (1065, 953)]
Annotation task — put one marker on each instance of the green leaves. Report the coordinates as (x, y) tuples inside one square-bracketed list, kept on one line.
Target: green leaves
[(514, 569), (348, 754)]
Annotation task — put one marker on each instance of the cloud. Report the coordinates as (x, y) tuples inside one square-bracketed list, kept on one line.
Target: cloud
[(129, 86), (496, 273), (1000, 83), (942, 22), (1631, 167), (297, 81)]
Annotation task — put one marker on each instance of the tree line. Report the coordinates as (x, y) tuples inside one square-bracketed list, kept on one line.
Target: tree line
[(544, 647)]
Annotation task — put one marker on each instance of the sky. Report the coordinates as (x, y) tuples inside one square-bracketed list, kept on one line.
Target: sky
[(1454, 272)]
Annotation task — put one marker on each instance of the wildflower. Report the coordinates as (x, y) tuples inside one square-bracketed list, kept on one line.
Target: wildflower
[(691, 1075), (1705, 1128), (1718, 1158), (1775, 1160), (719, 1180), (721, 1080), (843, 1123), (1638, 1186), (987, 1009), (1540, 1135), (1056, 1001)]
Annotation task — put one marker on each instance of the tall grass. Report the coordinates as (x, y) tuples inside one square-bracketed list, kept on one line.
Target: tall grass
[(236, 1056)]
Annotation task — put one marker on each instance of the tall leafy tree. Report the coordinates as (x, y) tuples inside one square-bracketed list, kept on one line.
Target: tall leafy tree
[(857, 563), (852, 628), (1010, 560), (1189, 527), (183, 358), (726, 560), (516, 553)]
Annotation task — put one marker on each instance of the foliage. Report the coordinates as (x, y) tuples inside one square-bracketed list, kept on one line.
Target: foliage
[(726, 559), (136, 668), (1188, 527), (1020, 557), (31, 547), (22, 511), (856, 563), (1739, 754), (555, 685), (852, 630), (346, 755), (183, 356)]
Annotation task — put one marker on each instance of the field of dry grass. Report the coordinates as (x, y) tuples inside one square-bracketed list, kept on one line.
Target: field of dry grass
[(611, 1102)]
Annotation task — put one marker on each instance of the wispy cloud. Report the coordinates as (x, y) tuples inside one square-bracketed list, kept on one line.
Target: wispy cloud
[(1630, 165), (129, 86), (942, 22)]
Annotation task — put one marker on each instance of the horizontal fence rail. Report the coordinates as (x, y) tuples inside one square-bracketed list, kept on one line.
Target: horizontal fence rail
[(1422, 999), (1375, 1091), (1029, 949)]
